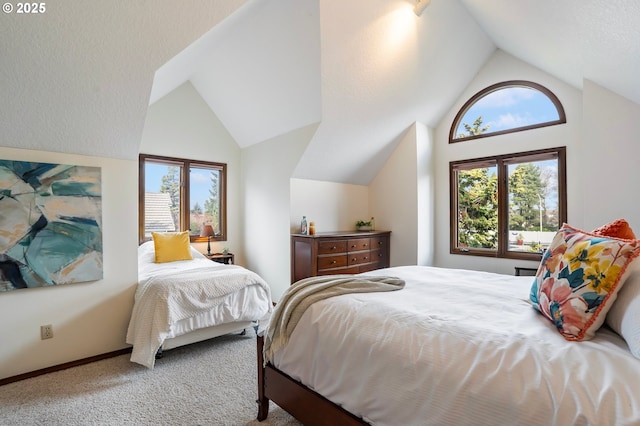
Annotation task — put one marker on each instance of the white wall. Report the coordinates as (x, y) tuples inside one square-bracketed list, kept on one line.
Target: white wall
[(88, 318), (182, 125), (332, 206), (425, 146), (267, 169), (502, 67), (609, 158), (401, 198)]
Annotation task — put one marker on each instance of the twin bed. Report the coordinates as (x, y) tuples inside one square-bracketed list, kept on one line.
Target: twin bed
[(460, 347), (189, 300)]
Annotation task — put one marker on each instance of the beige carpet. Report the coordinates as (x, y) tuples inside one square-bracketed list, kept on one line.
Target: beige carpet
[(207, 383)]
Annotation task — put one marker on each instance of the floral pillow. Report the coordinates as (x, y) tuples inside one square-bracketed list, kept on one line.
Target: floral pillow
[(579, 278)]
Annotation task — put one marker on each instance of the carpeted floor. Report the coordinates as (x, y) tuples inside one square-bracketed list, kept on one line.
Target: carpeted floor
[(207, 383)]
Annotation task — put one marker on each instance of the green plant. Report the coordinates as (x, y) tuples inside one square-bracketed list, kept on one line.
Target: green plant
[(363, 223)]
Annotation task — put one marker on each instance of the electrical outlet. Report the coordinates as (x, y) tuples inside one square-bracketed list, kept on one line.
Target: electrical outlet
[(46, 331)]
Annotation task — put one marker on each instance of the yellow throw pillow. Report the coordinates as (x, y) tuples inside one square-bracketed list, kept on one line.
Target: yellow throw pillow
[(171, 246)]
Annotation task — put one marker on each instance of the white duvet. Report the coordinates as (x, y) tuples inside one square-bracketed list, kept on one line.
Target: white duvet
[(459, 348), (175, 298)]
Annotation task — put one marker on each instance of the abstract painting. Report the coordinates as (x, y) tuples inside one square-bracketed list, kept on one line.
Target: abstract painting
[(50, 224)]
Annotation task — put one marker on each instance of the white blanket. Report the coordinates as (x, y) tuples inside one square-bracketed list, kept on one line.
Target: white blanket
[(170, 293), (459, 348), (308, 291)]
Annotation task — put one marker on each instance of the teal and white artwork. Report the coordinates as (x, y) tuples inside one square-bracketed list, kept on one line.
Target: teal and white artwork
[(50, 224)]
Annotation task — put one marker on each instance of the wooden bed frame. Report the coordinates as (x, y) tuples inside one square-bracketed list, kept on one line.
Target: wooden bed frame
[(306, 405)]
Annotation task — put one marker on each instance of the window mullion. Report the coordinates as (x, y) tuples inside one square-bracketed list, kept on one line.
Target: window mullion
[(503, 208), (184, 197)]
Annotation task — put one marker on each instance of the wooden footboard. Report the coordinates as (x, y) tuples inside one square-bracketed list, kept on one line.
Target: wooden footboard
[(304, 404)]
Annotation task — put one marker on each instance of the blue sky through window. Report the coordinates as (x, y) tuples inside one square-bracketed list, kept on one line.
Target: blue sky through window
[(200, 180), (509, 108)]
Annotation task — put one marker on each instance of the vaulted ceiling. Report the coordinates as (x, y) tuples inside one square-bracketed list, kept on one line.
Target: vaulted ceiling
[(80, 77)]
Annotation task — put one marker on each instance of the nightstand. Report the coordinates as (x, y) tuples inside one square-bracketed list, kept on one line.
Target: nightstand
[(227, 259), (526, 272)]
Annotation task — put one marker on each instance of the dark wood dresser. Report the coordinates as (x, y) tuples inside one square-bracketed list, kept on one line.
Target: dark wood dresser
[(338, 253)]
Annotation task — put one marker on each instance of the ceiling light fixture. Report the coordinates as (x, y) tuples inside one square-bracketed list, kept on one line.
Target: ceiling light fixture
[(421, 5)]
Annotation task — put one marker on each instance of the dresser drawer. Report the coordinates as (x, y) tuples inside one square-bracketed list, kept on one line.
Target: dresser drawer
[(326, 262), (378, 255), (359, 257), (330, 247), (359, 244), (368, 267), (348, 270), (378, 243)]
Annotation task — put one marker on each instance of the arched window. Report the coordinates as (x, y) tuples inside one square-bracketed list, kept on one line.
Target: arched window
[(506, 107), (508, 205)]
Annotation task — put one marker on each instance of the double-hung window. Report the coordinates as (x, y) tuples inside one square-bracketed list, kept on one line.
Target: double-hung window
[(178, 194)]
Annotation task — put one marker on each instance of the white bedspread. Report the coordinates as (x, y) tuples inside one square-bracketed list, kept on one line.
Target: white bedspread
[(459, 348), (171, 294)]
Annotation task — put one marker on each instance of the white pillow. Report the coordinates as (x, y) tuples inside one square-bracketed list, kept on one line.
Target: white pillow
[(196, 254), (624, 315), (146, 252)]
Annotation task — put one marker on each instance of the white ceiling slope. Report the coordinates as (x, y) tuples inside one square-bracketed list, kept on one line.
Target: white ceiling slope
[(259, 71), (77, 78), (384, 68), (598, 40), (366, 69)]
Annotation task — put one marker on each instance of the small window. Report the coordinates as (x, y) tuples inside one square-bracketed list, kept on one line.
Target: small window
[(508, 206), (182, 195), (506, 107)]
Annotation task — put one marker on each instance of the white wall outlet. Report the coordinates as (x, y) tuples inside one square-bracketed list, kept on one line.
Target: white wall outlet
[(46, 331)]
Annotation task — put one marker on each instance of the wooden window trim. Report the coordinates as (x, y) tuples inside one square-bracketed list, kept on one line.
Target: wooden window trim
[(184, 164), (562, 118), (501, 162)]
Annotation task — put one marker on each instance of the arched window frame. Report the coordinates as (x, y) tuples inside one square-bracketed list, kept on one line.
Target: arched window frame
[(562, 118)]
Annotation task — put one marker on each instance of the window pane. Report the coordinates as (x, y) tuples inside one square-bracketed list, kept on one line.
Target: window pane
[(533, 205), (477, 208), (162, 198), (205, 199), (506, 107)]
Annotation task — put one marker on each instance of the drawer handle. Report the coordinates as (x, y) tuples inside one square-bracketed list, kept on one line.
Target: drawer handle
[(334, 247), (365, 245), (353, 246), (365, 258), (379, 254), (379, 243), (354, 259), (333, 261)]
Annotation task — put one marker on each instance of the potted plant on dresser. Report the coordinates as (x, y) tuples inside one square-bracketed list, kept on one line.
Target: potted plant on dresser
[(362, 225)]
